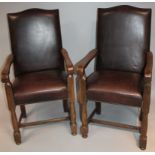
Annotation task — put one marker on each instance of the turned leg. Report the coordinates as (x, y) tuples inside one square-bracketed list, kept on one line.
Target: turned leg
[(72, 105), (9, 106), (9, 93), (144, 115), (143, 136), (65, 106), (23, 110), (78, 86), (84, 127), (17, 136), (83, 102), (98, 107), (80, 111), (73, 119)]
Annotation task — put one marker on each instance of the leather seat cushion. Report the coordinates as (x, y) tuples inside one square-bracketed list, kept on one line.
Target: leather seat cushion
[(115, 86), (40, 86)]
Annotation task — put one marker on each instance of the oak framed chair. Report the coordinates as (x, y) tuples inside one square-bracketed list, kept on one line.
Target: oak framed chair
[(123, 67), (42, 68)]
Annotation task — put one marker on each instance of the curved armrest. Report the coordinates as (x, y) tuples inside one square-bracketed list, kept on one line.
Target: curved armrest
[(148, 67), (82, 64), (68, 62), (6, 69)]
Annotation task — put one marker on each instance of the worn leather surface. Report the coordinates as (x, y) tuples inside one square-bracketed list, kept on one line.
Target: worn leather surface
[(115, 87), (35, 40), (40, 86), (123, 37)]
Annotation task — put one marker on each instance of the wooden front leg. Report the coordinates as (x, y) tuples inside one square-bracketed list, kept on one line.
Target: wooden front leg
[(84, 127), (17, 136), (144, 116), (72, 105)]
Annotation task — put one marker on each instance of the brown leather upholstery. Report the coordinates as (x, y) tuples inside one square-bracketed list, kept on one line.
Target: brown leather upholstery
[(123, 38), (35, 40), (40, 86), (43, 69), (123, 67), (115, 87)]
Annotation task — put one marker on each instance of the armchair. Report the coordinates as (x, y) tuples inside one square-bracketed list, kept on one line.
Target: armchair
[(123, 67), (43, 70)]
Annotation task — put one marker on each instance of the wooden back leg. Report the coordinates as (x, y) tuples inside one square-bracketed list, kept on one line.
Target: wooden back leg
[(140, 115), (23, 110), (65, 106), (98, 107)]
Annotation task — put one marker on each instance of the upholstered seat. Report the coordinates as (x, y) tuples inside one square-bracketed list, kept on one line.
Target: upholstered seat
[(42, 67), (40, 86), (115, 86), (123, 66)]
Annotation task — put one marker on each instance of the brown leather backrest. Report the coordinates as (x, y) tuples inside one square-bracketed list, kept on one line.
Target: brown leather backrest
[(35, 40), (123, 37)]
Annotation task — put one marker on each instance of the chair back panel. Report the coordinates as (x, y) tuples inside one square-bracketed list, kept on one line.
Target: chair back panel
[(35, 40), (123, 37)]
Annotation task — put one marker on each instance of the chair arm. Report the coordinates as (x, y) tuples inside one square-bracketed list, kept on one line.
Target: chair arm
[(6, 69), (68, 62), (83, 63), (148, 67)]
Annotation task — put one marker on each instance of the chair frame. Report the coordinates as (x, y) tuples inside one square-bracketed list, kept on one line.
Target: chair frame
[(17, 124), (82, 99)]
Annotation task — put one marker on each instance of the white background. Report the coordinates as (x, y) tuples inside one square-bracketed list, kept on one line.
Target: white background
[(78, 27)]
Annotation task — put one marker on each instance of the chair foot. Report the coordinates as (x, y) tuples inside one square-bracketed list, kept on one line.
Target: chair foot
[(142, 143), (17, 137), (74, 129), (84, 131)]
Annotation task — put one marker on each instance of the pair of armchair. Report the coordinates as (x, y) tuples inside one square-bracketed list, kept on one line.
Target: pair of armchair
[(44, 71)]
